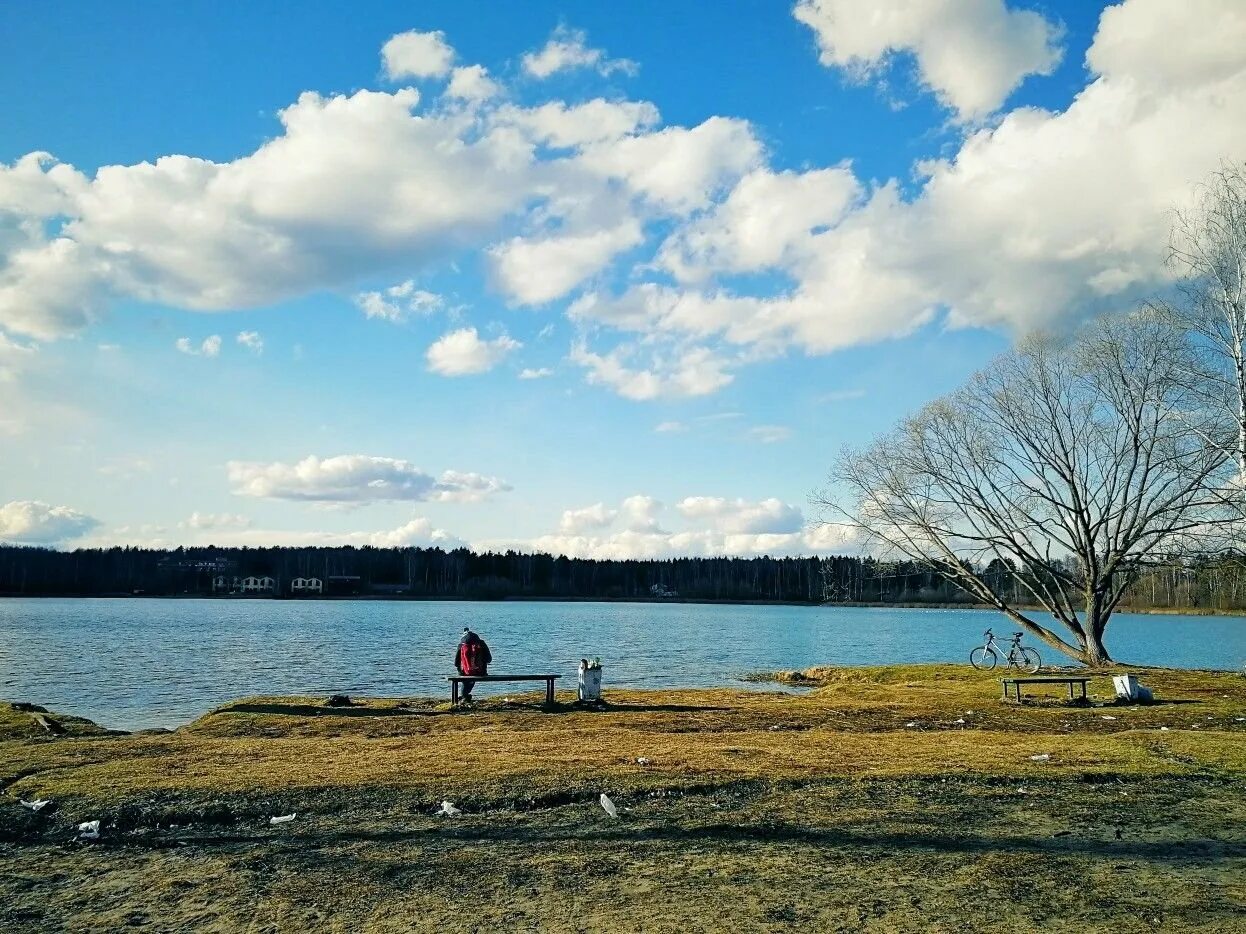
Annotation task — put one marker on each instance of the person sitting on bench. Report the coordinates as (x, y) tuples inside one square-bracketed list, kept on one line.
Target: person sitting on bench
[(471, 658)]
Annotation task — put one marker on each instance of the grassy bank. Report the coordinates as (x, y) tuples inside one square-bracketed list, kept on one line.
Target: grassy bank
[(889, 798)]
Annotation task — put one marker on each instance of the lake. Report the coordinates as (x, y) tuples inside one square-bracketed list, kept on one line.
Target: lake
[(136, 663)]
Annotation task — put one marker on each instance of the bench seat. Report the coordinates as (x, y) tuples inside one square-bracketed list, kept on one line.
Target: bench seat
[(457, 680), (1071, 681)]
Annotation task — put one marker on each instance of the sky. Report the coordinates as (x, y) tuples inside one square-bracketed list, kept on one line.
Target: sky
[(608, 280)]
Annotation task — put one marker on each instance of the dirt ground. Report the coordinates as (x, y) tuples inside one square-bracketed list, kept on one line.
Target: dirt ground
[(899, 799)]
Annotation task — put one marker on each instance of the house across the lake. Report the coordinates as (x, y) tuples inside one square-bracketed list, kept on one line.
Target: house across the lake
[(306, 586)]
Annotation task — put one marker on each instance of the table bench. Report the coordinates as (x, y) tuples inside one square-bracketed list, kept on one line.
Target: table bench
[(1052, 679), (457, 680)]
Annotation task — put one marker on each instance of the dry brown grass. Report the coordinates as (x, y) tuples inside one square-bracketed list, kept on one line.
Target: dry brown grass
[(749, 798)]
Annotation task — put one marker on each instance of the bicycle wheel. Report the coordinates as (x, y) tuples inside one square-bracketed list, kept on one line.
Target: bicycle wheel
[(1032, 661), (982, 658)]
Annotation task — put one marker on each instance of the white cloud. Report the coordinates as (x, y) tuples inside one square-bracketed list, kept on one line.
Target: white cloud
[(472, 83), (31, 522), (842, 395), (766, 222), (769, 434), (210, 347), (564, 126), (578, 521), (536, 271), (691, 372), (357, 478), (207, 521), (398, 302), (971, 53), (417, 533), (672, 427), (252, 341), (740, 516), (537, 373), (567, 49), (462, 353), (678, 169), (715, 526), (416, 55)]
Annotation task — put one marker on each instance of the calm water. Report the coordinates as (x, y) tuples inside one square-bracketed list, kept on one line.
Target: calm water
[(131, 664)]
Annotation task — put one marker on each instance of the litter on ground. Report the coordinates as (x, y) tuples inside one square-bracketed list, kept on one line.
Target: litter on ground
[(1041, 757), (37, 805), (608, 805), (285, 819), (89, 830), (448, 809), (1106, 717)]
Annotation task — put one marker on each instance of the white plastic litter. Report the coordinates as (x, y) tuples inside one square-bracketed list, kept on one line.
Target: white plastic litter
[(1106, 717), (37, 805), (961, 720), (968, 713), (609, 805), (89, 830), (643, 760), (1041, 757), (448, 809), (911, 723), (1240, 719), (285, 819), (1163, 729)]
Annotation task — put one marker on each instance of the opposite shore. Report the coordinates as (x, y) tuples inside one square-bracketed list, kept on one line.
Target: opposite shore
[(418, 598)]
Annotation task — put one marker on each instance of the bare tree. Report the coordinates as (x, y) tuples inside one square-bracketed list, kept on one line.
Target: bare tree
[(1072, 462), (1208, 251)]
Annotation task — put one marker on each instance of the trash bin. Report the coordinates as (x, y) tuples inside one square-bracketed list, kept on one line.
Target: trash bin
[(590, 680), (1126, 686)]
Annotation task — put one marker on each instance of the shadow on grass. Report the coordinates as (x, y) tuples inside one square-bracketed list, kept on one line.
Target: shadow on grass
[(317, 710), (782, 834)]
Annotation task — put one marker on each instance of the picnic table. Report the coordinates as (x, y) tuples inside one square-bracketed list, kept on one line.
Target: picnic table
[(1070, 680), (457, 680)]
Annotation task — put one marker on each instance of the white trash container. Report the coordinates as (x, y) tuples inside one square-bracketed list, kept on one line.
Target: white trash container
[(590, 682), (1126, 686)]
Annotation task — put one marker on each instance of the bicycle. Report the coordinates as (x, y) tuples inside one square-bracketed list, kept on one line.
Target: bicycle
[(986, 657)]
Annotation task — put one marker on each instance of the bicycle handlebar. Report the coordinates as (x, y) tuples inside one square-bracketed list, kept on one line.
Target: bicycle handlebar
[(987, 633)]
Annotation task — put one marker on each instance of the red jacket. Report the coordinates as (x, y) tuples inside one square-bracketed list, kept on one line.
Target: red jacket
[(473, 656)]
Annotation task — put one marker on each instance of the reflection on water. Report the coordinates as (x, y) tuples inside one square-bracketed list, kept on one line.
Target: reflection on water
[(149, 662)]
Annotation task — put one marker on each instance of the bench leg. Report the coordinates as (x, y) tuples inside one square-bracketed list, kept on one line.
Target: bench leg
[(1070, 690), (454, 694), (549, 693)]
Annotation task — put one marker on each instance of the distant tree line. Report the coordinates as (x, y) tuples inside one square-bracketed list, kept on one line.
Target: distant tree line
[(1204, 583)]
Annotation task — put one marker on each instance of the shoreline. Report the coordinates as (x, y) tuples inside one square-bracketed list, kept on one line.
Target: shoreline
[(708, 601)]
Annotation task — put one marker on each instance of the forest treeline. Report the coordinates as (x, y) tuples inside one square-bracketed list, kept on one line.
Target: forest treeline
[(1211, 583)]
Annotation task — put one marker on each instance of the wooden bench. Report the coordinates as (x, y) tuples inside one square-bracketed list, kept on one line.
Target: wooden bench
[(456, 680), (1052, 679)]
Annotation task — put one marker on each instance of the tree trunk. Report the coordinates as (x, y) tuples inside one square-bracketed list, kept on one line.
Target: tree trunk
[(1094, 655)]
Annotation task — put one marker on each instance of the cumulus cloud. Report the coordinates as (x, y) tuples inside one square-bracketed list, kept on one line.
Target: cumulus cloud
[(31, 522), (971, 53), (416, 55), (671, 427), (463, 352), (252, 341), (536, 271), (535, 372), (472, 83), (767, 516), (713, 526), (357, 478), (203, 521), (209, 347), (398, 302), (694, 371), (417, 533), (568, 49), (1043, 218)]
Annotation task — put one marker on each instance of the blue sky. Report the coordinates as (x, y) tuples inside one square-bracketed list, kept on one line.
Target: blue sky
[(604, 279)]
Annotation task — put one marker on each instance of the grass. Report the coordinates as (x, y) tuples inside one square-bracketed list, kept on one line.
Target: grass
[(901, 797)]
